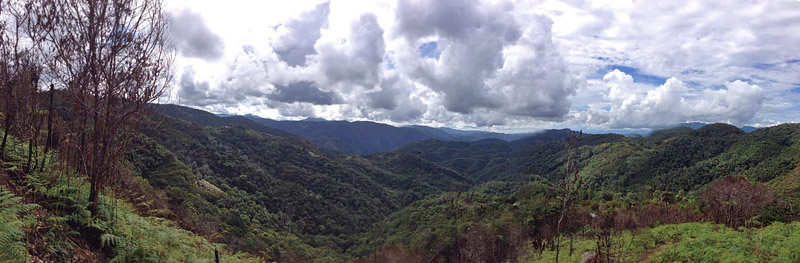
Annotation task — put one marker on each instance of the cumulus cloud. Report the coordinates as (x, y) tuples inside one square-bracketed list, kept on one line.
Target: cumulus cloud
[(489, 60), (358, 60), (506, 63), (300, 35), (534, 80), (394, 100), (630, 105), (194, 92), (303, 91), (449, 18), (192, 37), (705, 43)]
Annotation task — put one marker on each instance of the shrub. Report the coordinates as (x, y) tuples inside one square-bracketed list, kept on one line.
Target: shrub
[(734, 201)]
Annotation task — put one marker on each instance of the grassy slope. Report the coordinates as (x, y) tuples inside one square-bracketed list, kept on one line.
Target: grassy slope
[(693, 242), (62, 222)]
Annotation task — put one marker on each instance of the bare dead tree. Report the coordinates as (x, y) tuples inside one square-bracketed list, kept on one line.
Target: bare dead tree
[(50, 136), (570, 184), (113, 58), (20, 71)]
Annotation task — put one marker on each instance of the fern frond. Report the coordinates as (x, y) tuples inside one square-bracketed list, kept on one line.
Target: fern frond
[(12, 220), (109, 240)]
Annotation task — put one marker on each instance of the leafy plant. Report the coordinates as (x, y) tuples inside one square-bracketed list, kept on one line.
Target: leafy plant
[(12, 221)]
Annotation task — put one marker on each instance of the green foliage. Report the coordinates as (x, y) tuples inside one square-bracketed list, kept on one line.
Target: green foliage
[(13, 218), (117, 229), (274, 195), (717, 243), (693, 242), (408, 194), (672, 160)]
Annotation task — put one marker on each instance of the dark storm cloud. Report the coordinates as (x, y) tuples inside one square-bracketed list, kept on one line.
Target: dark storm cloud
[(193, 38), (303, 32), (303, 91)]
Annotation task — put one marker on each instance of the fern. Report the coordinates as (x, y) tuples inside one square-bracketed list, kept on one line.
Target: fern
[(12, 249), (110, 240)]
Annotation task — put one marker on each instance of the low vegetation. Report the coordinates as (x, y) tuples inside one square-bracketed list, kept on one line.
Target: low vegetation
[(46, 216)]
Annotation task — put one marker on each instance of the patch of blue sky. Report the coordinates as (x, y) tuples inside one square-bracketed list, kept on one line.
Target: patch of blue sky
[(580, 107), (638, 76), (764, 66), (389, 62), (692, 71), (693, 84), (769, 66), (429, 50)]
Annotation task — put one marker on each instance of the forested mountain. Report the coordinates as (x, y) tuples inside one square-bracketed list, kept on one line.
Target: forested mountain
[(360, 137), (275, 183), (281, 197), (365, 137), (673, 159), (716, 173), (208, 119), (496, 177)]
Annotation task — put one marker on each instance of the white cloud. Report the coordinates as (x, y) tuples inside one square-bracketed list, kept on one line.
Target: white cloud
[(628, 105), (491, 65), (501, 64), (299, 35)]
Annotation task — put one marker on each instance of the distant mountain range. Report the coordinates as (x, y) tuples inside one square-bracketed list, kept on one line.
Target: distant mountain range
[(353, 137), (698, 125), (357, 137), (365, 137)]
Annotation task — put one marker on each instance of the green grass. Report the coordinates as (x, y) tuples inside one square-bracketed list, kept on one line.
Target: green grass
[(702, 242), (692, 242)]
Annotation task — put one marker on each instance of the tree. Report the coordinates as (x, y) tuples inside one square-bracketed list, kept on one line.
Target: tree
[(113, 58), (570, 185), (734, 201), (20, 71)]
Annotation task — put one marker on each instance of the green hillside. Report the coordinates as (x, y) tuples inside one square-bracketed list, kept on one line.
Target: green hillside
[(273, 196)]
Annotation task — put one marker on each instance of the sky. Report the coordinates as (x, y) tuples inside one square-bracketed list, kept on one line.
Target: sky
[(511, 66)]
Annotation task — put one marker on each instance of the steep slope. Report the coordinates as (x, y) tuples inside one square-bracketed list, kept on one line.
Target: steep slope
[(257, 186), (672, 159), (319, 196), (45, 218), (493, 159), (762, 155)]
